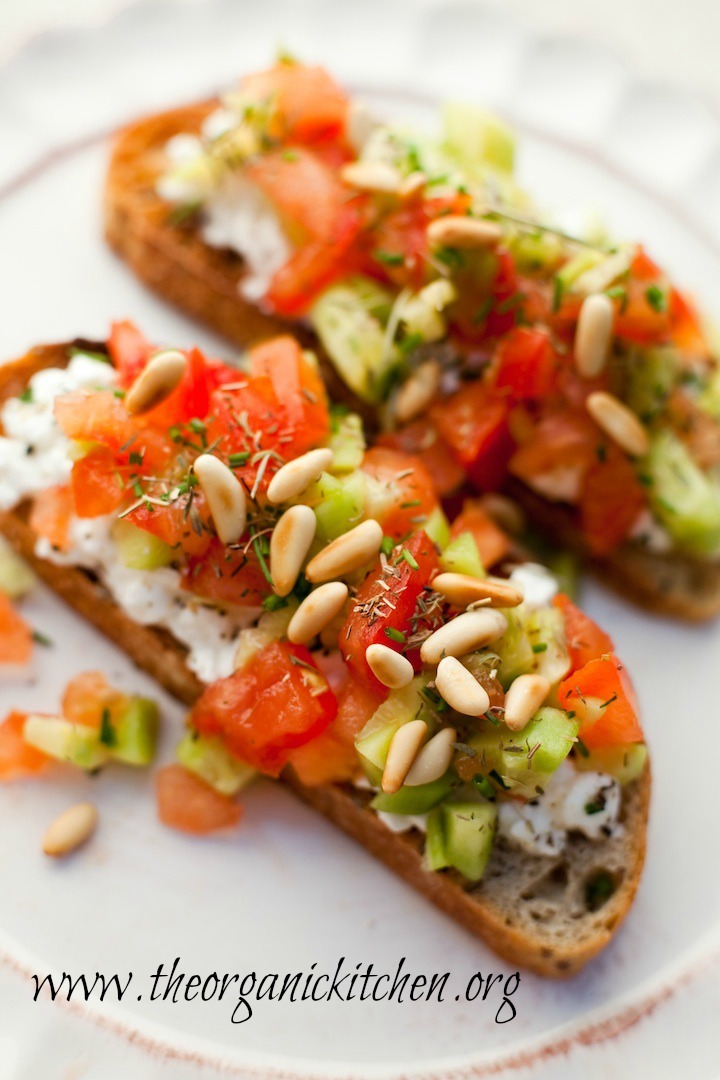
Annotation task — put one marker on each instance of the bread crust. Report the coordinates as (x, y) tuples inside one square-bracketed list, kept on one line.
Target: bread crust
[(556, 945), (203, 282)]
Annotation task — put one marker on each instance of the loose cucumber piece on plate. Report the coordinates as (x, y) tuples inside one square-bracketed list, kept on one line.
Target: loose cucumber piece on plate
[(469, 833), (135, 733), (60, 739), (208, 758)]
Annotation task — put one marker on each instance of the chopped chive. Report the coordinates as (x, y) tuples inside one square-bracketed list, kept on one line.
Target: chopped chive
[(197, 425), (609, 701), (483, 311), (257, 545), (558, 293), (395, 635), (136, 458), (42, 639), (540, 647), (484, 786), (598, 890), (582, 748), (656, 298), (390, 258), (387, 545), (27, 395), (107, 731), (409, 559), (407, 505), (236, 460), (596, 806), (493, 719)]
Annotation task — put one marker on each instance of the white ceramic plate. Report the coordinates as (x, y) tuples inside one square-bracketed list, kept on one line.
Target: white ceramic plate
[(289, 891)]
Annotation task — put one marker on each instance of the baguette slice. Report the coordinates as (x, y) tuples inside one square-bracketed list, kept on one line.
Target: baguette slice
[(533, 911), (203, 281)]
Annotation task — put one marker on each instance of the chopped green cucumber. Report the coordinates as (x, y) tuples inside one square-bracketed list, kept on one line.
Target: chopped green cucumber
[(16, 577), (60, 739), (399, 708), (135, 732), (523, 761), (469, 834), (575, 267), (625, 762), (474, 136), (422, 314), (140, 550), (271, 626), (461, 556), (354, 336), (435, 852), (347, 442), (537, 250), (340, 503), (651, 376), (533, 642), (684, 499), (414, 800), (437, 527), (207, 757)]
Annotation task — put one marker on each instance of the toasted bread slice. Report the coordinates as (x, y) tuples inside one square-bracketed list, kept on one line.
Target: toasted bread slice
[(203, 281), (534, 911)]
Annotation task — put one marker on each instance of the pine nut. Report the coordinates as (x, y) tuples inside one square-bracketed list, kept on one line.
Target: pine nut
[(460, 689), (402, 752), (289, 544), (349, 552), (417, 392), (156, 381), (70, 830), (292, 479), (434, 759), (390, 667), (412, 183), (619, 422), (225, 497), (459, 231), (373, 176), (463, 634), (463, 590), (316, 611), (523, 699), (593, 335), (505, 512)]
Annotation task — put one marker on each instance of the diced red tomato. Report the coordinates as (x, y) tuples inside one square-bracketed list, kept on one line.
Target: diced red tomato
[(526, 364), (102, 417), (306, 104), (556, 457), (50, 515), (298, 388), (227, 575), (324, 760), (637, 320), (175, 525), (15, 635), (602, 697), (363, 629), (492, 543), (585, 640), (87, 696), (187, 803), (17, 759), (129, 350), (423, 441), (275, 704), (686, 327), (399, 245), (610, 501), (474, 423), (403, 493), (99, 485), (356, 704)]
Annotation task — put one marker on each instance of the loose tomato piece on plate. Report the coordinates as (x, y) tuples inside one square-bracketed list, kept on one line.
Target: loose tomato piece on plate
[(15, 635), (492, 543), (187, 803), (526, 364), (50, 516), (602, 697), (400, 492), (474, 423), (86, 698), (17, 759), (276, 703), (300, 392), (306, 104), (422, 439), (227, 575), (585, 640), (413, 566), (611, 499)]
